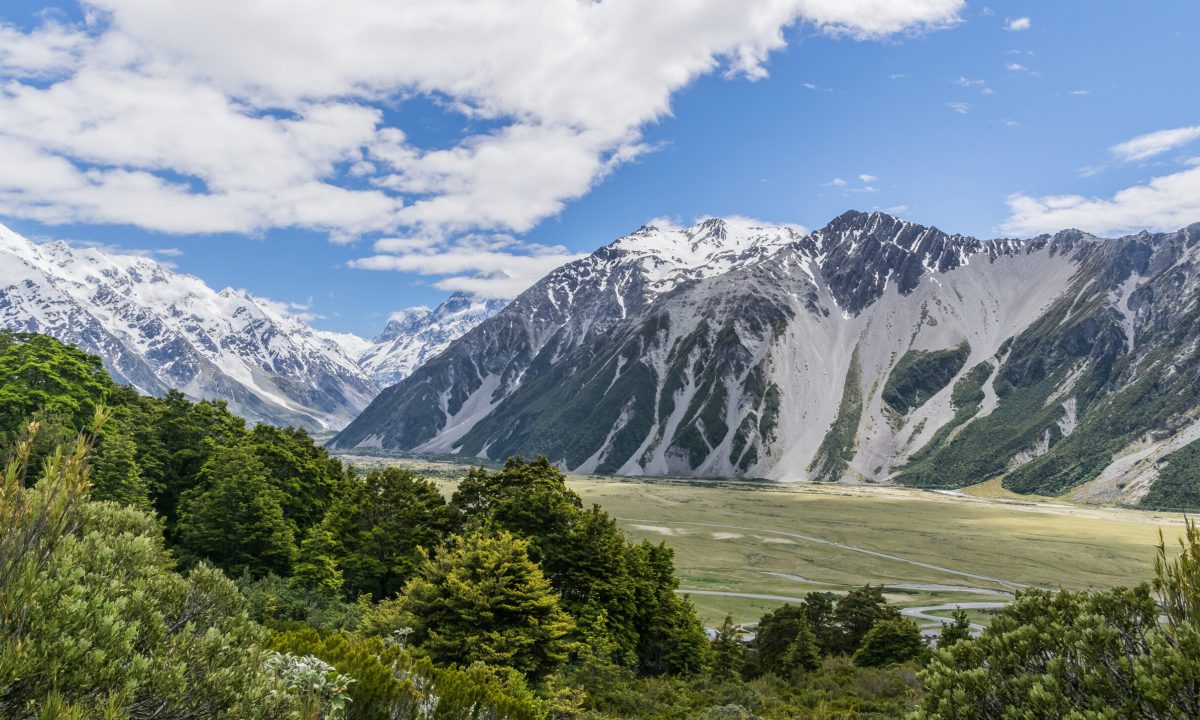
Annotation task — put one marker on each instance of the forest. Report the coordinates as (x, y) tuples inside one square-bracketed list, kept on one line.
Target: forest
[(163, 560)]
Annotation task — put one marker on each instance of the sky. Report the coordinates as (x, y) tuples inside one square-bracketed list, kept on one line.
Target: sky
[(355, 158)]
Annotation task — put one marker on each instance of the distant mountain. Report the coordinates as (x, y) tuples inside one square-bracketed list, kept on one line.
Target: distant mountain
[(156, 329), (871, 350), (414, 335)]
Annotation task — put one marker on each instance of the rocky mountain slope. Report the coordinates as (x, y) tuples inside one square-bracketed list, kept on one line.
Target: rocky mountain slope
[(872, 350), (414, 335), (156, 329)]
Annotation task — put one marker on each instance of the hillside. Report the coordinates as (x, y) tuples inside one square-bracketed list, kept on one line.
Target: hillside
[(871, 350)]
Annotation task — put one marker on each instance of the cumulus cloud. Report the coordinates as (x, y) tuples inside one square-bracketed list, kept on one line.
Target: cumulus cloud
[(192, 118), (1016, 24), (1144, 147), (961, 108), (1168, 202)]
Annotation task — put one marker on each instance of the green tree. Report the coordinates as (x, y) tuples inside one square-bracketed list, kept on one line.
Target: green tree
[(40, 373), (479, 598), (671, 638), (1124, 653), (890, 642), (316, 566), (233, 517), (116, 474), (589, 562), (378, 525), (529, 499), (175, 437), (857, 612), (95, 623), (728, 652), (306, 477), (955, 632), (784, 642), (818, 609)]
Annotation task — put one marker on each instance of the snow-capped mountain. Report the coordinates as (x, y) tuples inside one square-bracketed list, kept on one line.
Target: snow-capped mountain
[(872, 350), (156, 329), (414, 335)]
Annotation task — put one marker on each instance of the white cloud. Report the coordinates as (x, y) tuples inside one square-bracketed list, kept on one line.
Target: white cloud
[(49, 49), (1168, 202), (959, 107), (836, 182), (1021, 23), (195, 118), (964, 81), (1016, 67), (867, 178), (1149, 145), (1079, 93)]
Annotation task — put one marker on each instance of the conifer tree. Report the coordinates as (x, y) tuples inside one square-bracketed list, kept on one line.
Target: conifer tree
[(479, 598), (890, 642), (116, 474), (956, 631), (729, 652), (233, 518), (378, 523)]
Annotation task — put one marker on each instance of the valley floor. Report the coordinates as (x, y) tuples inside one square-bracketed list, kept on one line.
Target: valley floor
[(746, 547)]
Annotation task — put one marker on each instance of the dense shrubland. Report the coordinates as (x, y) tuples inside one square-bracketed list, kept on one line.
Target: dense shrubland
[(162, 560)]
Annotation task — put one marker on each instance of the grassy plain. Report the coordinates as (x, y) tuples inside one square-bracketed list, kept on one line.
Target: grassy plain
[(927, 548)]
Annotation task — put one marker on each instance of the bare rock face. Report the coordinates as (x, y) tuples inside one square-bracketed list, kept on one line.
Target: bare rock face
[(871, 350)]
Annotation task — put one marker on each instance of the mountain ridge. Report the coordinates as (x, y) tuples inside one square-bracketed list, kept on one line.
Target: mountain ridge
[(158, 329), (753, 366)]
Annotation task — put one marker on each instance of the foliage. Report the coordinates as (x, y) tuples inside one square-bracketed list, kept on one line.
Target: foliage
[(116, 475), (175, 438), (234, 518), (277, 602), (94, 622), (390, 682), (39, 373), (1178, 483), (890, 642), (303, 473), (317, 686), (837, 447), (479, 598), (955, 632), (729, 651), (858, 612), (784, 642), (378, 525), (590, 563), (1115, 654), (378, 692), (920, 374)]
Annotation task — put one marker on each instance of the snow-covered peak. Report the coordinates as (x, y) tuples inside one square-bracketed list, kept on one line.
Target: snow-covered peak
[(667, 256), (156, 329), (415, 334)]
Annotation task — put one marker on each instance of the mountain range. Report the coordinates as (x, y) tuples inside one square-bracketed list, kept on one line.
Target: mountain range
[(873, 350), (157, 329)]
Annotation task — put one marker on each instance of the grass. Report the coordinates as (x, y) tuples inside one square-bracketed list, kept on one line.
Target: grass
[(1029, 544), (728, 536)]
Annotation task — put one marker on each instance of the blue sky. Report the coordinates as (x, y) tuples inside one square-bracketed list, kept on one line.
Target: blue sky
[(988, 119)]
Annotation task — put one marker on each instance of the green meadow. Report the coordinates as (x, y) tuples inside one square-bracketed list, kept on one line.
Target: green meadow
[(737, 539)]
